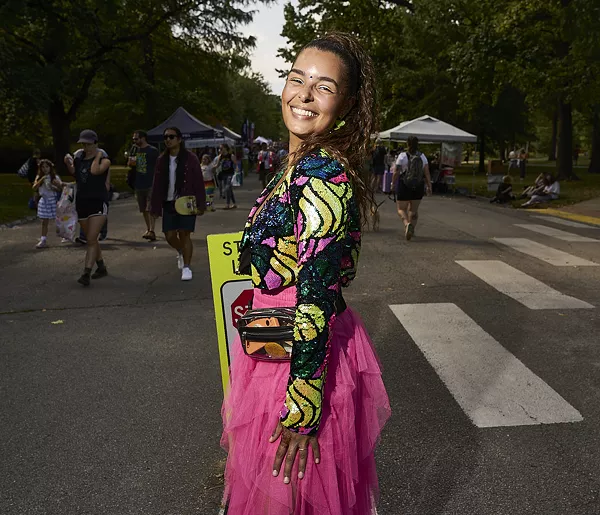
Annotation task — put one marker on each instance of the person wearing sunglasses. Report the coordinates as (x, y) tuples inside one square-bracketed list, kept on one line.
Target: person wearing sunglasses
[(178, 173)]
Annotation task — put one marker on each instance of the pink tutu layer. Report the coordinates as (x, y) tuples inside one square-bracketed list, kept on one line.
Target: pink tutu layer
[(356, 407)]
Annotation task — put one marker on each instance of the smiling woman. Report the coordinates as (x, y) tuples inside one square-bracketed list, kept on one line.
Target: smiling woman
[(301, 433)]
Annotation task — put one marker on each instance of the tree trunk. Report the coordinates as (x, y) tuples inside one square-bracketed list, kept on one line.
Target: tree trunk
[(595, 157), (565, 142), (61, 132), (502, 145), (552, 151), (482, 152)]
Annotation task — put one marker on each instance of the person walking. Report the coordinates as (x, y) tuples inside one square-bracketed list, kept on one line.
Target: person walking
[(523, 163), (178, 174), (208, 175), (378, 167), (47, 183), (144, 157), (312, 418), (228, 164), (91, 168), (410, 180), (265, 164)]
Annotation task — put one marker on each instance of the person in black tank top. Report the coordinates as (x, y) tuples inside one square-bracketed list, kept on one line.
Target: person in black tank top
[(228, 164), (91, 168)]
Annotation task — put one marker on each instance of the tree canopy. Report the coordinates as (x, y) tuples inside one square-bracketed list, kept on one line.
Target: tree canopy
[(489, 66), (118, 65)]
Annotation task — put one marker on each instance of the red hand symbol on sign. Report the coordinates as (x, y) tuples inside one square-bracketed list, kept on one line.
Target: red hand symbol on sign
[(240, 305)]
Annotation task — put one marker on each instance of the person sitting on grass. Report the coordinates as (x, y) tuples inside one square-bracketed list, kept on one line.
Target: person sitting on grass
[(550, 192), (537, 188), (504, 193)]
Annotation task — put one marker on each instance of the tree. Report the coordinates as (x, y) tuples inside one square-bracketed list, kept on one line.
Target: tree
[(52, 51)]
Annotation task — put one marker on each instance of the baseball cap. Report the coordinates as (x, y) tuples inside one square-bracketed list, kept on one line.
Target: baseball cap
[(88, 136)]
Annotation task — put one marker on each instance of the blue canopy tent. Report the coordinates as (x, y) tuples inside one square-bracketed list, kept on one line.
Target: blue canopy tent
[(189, 125)]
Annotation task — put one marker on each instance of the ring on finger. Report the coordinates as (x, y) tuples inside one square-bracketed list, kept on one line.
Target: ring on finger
[(301, 449)]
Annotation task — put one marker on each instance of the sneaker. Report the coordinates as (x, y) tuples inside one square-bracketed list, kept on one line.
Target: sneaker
[(99, 273), (186, 274), (65, 240), (102, 237), (84, 279), (42, 244), (151, 236), (146, 235), (80, 240), (180, 261), (410, 230)]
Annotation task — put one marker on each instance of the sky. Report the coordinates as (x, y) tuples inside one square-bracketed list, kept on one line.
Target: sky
[(266, 27)]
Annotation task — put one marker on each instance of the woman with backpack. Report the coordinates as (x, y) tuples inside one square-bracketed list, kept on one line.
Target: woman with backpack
[(411, 180)]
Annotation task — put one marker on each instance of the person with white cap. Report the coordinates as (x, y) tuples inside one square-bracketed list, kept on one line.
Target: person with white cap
[(91, 168)]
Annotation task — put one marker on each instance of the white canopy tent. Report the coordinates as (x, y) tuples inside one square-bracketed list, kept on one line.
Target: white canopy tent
[(429, 130), (208, 142), (261, 140)]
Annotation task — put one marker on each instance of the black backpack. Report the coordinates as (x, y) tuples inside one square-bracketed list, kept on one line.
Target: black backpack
[(414, 176)]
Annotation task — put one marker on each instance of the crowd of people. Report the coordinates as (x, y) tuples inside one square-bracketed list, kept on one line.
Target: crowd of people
[(157, 179)]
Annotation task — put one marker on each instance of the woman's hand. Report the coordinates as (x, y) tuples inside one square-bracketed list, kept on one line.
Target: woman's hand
[(290, 445)]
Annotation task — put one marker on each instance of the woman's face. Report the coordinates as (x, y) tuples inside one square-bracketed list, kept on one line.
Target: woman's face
[(315, 93), (90, 148), (45, 168)]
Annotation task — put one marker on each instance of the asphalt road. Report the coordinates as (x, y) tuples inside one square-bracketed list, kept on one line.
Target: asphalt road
[(110, 396)]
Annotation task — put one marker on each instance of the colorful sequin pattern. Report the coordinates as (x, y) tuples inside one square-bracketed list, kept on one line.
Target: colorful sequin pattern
[(307, 234)]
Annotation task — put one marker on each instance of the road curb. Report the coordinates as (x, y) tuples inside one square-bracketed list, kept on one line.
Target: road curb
[(592, 220)]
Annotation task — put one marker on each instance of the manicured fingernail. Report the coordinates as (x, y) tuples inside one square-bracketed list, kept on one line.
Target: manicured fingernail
[(300, 475), (286, 480), (317, 460), (275, 473)]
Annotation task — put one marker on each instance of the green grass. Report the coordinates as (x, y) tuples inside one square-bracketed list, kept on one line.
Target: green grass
[(15, 192), (571, 192)]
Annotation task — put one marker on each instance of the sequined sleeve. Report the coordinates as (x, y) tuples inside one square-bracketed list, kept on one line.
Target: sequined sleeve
[(319, 195)]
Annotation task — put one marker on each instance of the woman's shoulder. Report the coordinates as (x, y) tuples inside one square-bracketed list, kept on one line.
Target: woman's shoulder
[(321, 165)]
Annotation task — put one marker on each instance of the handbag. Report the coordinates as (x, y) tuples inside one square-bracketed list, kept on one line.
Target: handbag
[(267, 334), (186, 205)]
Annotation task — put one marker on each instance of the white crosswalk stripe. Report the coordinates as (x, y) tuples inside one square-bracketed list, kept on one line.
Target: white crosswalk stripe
[(490, 384), (557, 233), (563, 221), (523, 288), (548, 254)]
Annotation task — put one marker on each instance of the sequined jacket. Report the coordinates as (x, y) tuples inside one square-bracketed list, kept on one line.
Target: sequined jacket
[(307, 234)]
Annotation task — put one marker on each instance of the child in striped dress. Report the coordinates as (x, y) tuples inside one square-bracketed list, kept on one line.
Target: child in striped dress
[(47, 184)]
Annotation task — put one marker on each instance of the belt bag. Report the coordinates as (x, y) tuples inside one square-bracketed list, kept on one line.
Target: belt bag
[(267, 334)]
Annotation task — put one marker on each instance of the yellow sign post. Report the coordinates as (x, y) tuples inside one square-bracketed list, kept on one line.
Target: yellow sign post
[(231, 293)]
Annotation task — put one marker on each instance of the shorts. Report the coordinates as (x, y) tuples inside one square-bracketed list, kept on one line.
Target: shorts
[(405, 193), (143, 199), (378, 169), (173, 221), (89, 207)]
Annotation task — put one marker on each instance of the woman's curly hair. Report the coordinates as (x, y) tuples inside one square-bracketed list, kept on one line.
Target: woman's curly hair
[(351, 143)]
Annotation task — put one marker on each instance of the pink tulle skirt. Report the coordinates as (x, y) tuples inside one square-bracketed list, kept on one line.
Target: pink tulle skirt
[(355, 408)]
